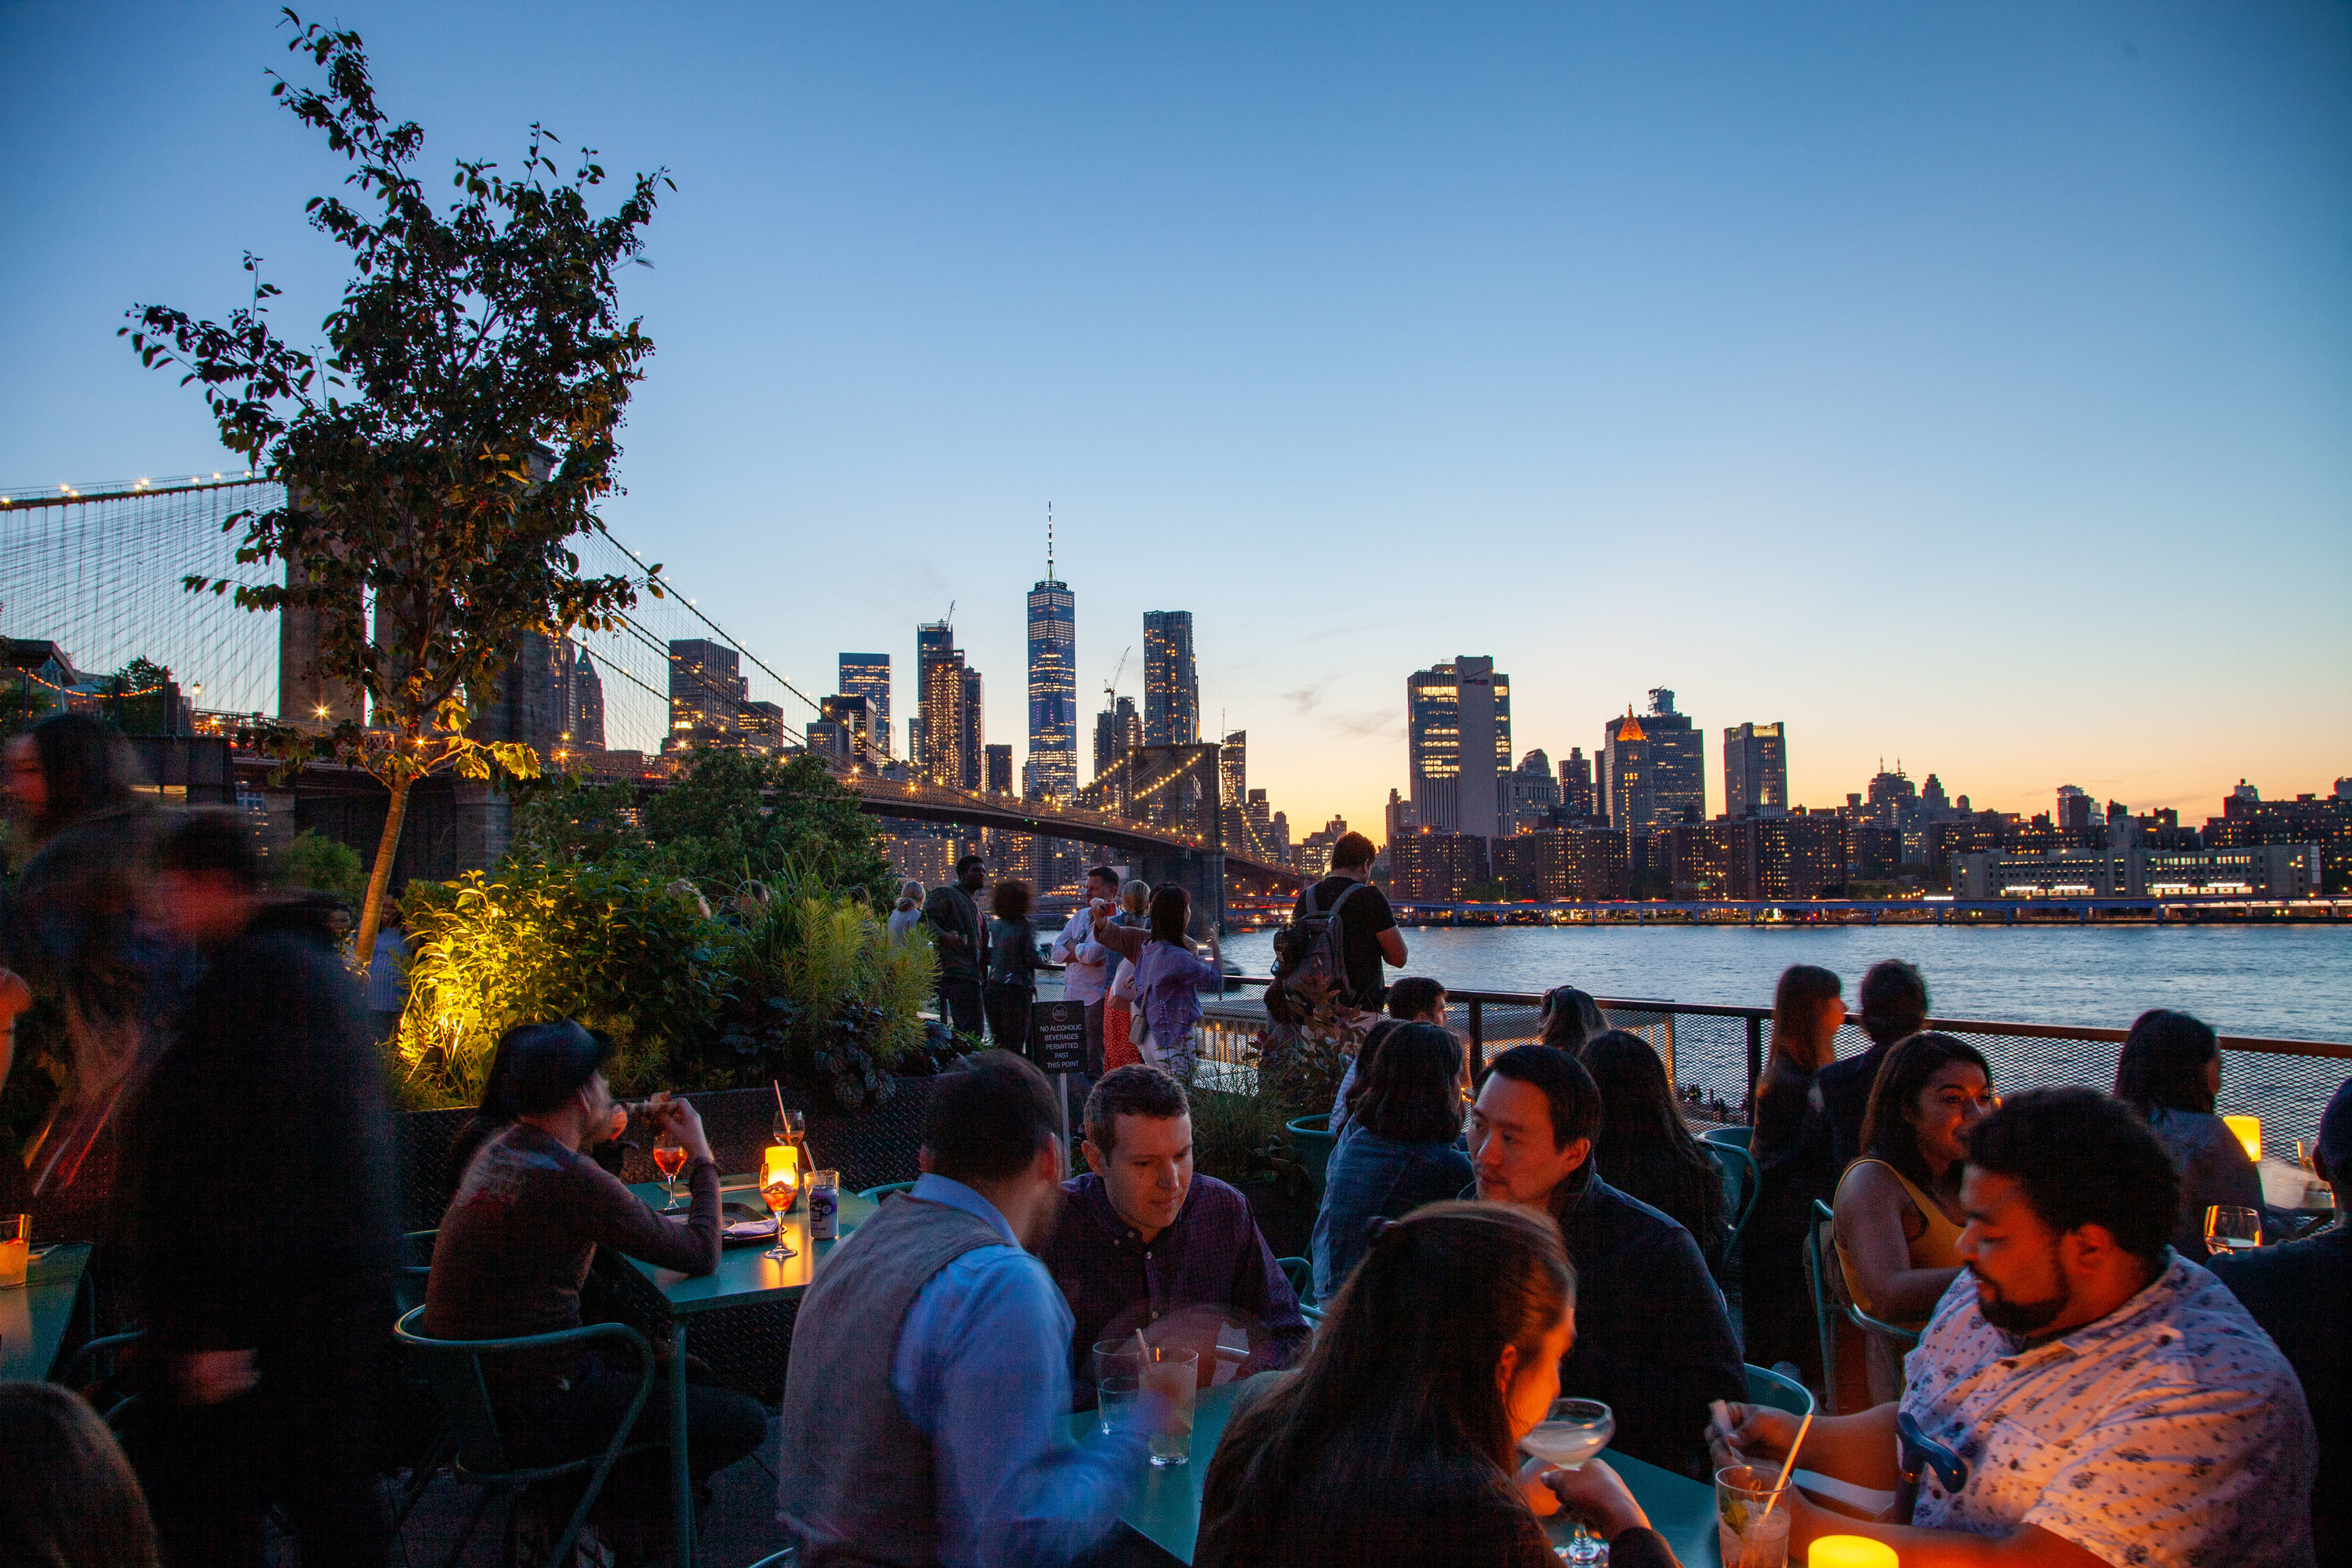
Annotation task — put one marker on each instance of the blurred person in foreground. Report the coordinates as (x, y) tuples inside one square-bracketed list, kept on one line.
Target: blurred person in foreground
[(1793, 1164), (2301, 1293), (1645, 1149), (1395, 1442), (69, 1499), (2171, 1072), (515, 1247), (1401, 1152), (1893, 999), (258, 1162), (1415, 999), (2115, 1404), (1654, 1342), (927, 1407), (74, 924), (1898, 1206), (1145, 1243)]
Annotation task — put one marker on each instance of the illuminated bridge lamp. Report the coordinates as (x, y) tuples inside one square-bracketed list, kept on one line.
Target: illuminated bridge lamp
[(1850, 1551), (2249, 1130)]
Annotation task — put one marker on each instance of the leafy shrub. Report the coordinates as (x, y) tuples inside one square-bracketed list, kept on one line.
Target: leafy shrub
[(325, 866), (607, 947), (1239, 1137), (1300, 1064)]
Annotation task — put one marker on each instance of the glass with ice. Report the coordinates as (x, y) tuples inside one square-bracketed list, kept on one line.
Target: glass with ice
[(1751, 1516), (1571, 1432)]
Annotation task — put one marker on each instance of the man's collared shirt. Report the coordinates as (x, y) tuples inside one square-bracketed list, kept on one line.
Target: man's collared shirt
[(1212, 1257), (2170, 1431), (982, 1370), (1085, 962)]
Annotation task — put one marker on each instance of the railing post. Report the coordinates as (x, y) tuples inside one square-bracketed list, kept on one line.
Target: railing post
[(1755, 1060), (1477, 1035)]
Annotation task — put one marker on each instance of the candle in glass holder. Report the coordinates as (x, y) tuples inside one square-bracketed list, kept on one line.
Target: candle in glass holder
[(779, 1165), (1850, 1551), (2249, 1130)]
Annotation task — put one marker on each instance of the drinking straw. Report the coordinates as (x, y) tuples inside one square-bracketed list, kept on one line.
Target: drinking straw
[(1788, 1464), (780, 1095)]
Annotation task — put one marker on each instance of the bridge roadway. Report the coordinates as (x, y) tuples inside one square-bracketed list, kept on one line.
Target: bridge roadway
[(1969, 911), (917, 802)]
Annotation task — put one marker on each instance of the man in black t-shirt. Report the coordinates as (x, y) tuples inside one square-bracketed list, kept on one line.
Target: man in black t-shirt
[(1368, 926)]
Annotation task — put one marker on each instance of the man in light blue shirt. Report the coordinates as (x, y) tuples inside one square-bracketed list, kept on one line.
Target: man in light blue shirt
[(965, 1462)]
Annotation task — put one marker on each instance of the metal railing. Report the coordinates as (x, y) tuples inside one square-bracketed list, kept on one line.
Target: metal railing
[(1714, 1055)]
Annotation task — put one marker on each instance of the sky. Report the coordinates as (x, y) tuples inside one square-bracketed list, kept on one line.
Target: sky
[(1968, 385)]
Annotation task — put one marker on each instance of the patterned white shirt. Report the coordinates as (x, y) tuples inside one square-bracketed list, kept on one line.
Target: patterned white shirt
[(2170, 1432)]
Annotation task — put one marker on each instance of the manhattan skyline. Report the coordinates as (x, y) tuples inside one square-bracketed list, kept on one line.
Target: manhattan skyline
[(1975, 389)]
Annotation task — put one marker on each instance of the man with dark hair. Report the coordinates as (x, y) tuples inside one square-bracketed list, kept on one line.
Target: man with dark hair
[(2301, 1293), (1415, 999), (1654, 1339), (1146, 1244), (259, 1158), (2112, 1401), (1368, 928), (960, 936), (530, 1211), (928, 1391), (1893, 999), (1085, 962)]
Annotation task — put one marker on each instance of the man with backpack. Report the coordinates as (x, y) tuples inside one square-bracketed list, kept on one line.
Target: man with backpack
[(1340, 932)]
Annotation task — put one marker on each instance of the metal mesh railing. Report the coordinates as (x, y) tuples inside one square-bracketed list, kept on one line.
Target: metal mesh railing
[(1712, 1054)]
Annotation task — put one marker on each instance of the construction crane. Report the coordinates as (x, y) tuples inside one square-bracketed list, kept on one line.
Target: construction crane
[(1110, 687)]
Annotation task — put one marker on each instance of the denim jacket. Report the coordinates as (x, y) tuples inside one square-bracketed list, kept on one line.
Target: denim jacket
[(1371, 1178)]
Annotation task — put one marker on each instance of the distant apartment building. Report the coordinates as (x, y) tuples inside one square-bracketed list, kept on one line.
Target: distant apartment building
[(1313, 856), (1172, 680), (999, 769), (1576, 800), (829, 738), (1458, 745), (1436, 867), (1535, 792), (1575, 865), (1709, 860), (2268, 870), (868, 675), (2247, 819), (1799, 857), (1756, 770)]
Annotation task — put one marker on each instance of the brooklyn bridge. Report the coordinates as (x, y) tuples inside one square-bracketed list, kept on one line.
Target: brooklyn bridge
[(94, 614)]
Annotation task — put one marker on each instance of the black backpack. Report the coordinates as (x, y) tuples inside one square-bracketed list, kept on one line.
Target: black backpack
[(1312, 948)]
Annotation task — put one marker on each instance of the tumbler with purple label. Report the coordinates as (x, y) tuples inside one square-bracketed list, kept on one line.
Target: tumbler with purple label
[(824, 1205)]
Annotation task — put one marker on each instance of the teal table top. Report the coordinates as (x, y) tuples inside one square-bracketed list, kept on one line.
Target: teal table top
[(35, 1315), (1165, 1510), (745, 1271)]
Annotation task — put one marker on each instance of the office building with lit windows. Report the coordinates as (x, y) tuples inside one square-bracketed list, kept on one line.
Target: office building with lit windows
[(1053, 767), (1677, 751), (1458, 744), (1624, 768), (1171, 684), (868, 675), (1756, 770), (707, 691)]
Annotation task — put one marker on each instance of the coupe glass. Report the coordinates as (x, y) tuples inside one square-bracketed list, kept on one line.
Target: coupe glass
[(2231, 1228), (1571, 1432)]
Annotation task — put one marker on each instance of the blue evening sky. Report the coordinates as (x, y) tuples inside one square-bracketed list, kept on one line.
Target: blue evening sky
[(1968, 383)]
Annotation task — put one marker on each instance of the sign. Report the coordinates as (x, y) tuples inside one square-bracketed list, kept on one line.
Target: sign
[(1057, 1035)]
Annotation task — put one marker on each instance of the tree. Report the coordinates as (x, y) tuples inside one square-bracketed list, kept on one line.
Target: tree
[(456, 434), (732, 814)]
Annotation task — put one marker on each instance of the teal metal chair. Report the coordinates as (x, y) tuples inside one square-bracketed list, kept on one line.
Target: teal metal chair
[(1739, 1137), (454, 1367), (876, 1195), (1831, 1300), (1741, 1182), (1301, 1275), (93, 1370), (1768, 1389), (416, 1270)]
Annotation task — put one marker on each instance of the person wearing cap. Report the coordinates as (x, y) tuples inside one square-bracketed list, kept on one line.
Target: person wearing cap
[(2301, 1293), (516, 1244)]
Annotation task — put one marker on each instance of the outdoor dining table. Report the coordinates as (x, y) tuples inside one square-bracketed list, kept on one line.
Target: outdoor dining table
[(745, 1277), (35, 1317), (1165, 1510)]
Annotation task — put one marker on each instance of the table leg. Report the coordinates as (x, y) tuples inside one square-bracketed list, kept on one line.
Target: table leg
[(681, 1479)]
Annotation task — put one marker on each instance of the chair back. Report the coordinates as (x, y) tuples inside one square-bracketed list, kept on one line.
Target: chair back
[(1301, 1275), (1820, 1277), (1741, 1182), (454, 1369), (415, 1272), (1768, 1389), (1739, 1138), (1915, 1454)]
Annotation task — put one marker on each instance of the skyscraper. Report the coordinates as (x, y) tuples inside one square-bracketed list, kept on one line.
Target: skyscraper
[(1053, 768), (1576, 786), (934, 642), (1535, 791), (1624, 781), (1117, 728), (1458, 740), (707, 691), (1756, 770), (1677, 762), (868, 675), (854, 712), (1000, 768), (1171, 685), (973, 735)]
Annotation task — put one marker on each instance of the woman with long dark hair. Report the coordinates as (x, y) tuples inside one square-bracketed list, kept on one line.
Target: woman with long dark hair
[(1645, 1149), (2171, 1072), (73, 925), (1790, 1146), (1898, 1206), (1011, 966), (1395, 1442), (1406, 1115)]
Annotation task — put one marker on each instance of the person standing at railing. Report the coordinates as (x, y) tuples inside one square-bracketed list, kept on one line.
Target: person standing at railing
[(2171, 1072), (1085, 962), (1367, 934), (1792, 1151), (1893, 1000), (1118, 1002), (1011, 966), (1169, 979), (960, 937), (907, 912)]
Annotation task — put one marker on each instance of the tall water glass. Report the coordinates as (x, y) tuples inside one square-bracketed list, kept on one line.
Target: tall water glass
[(1751, 1516)]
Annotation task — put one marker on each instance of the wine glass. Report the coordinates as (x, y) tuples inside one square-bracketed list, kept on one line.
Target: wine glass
[(780, 1188), (2231, 1228), (670, 1159), (1571, 1432)]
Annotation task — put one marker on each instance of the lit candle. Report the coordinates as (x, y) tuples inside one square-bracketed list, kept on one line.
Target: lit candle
[(2249, 1130), (1850, 1551)]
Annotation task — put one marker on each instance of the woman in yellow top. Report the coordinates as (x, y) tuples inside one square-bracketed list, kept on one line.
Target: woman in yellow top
[(1898, 1208)]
